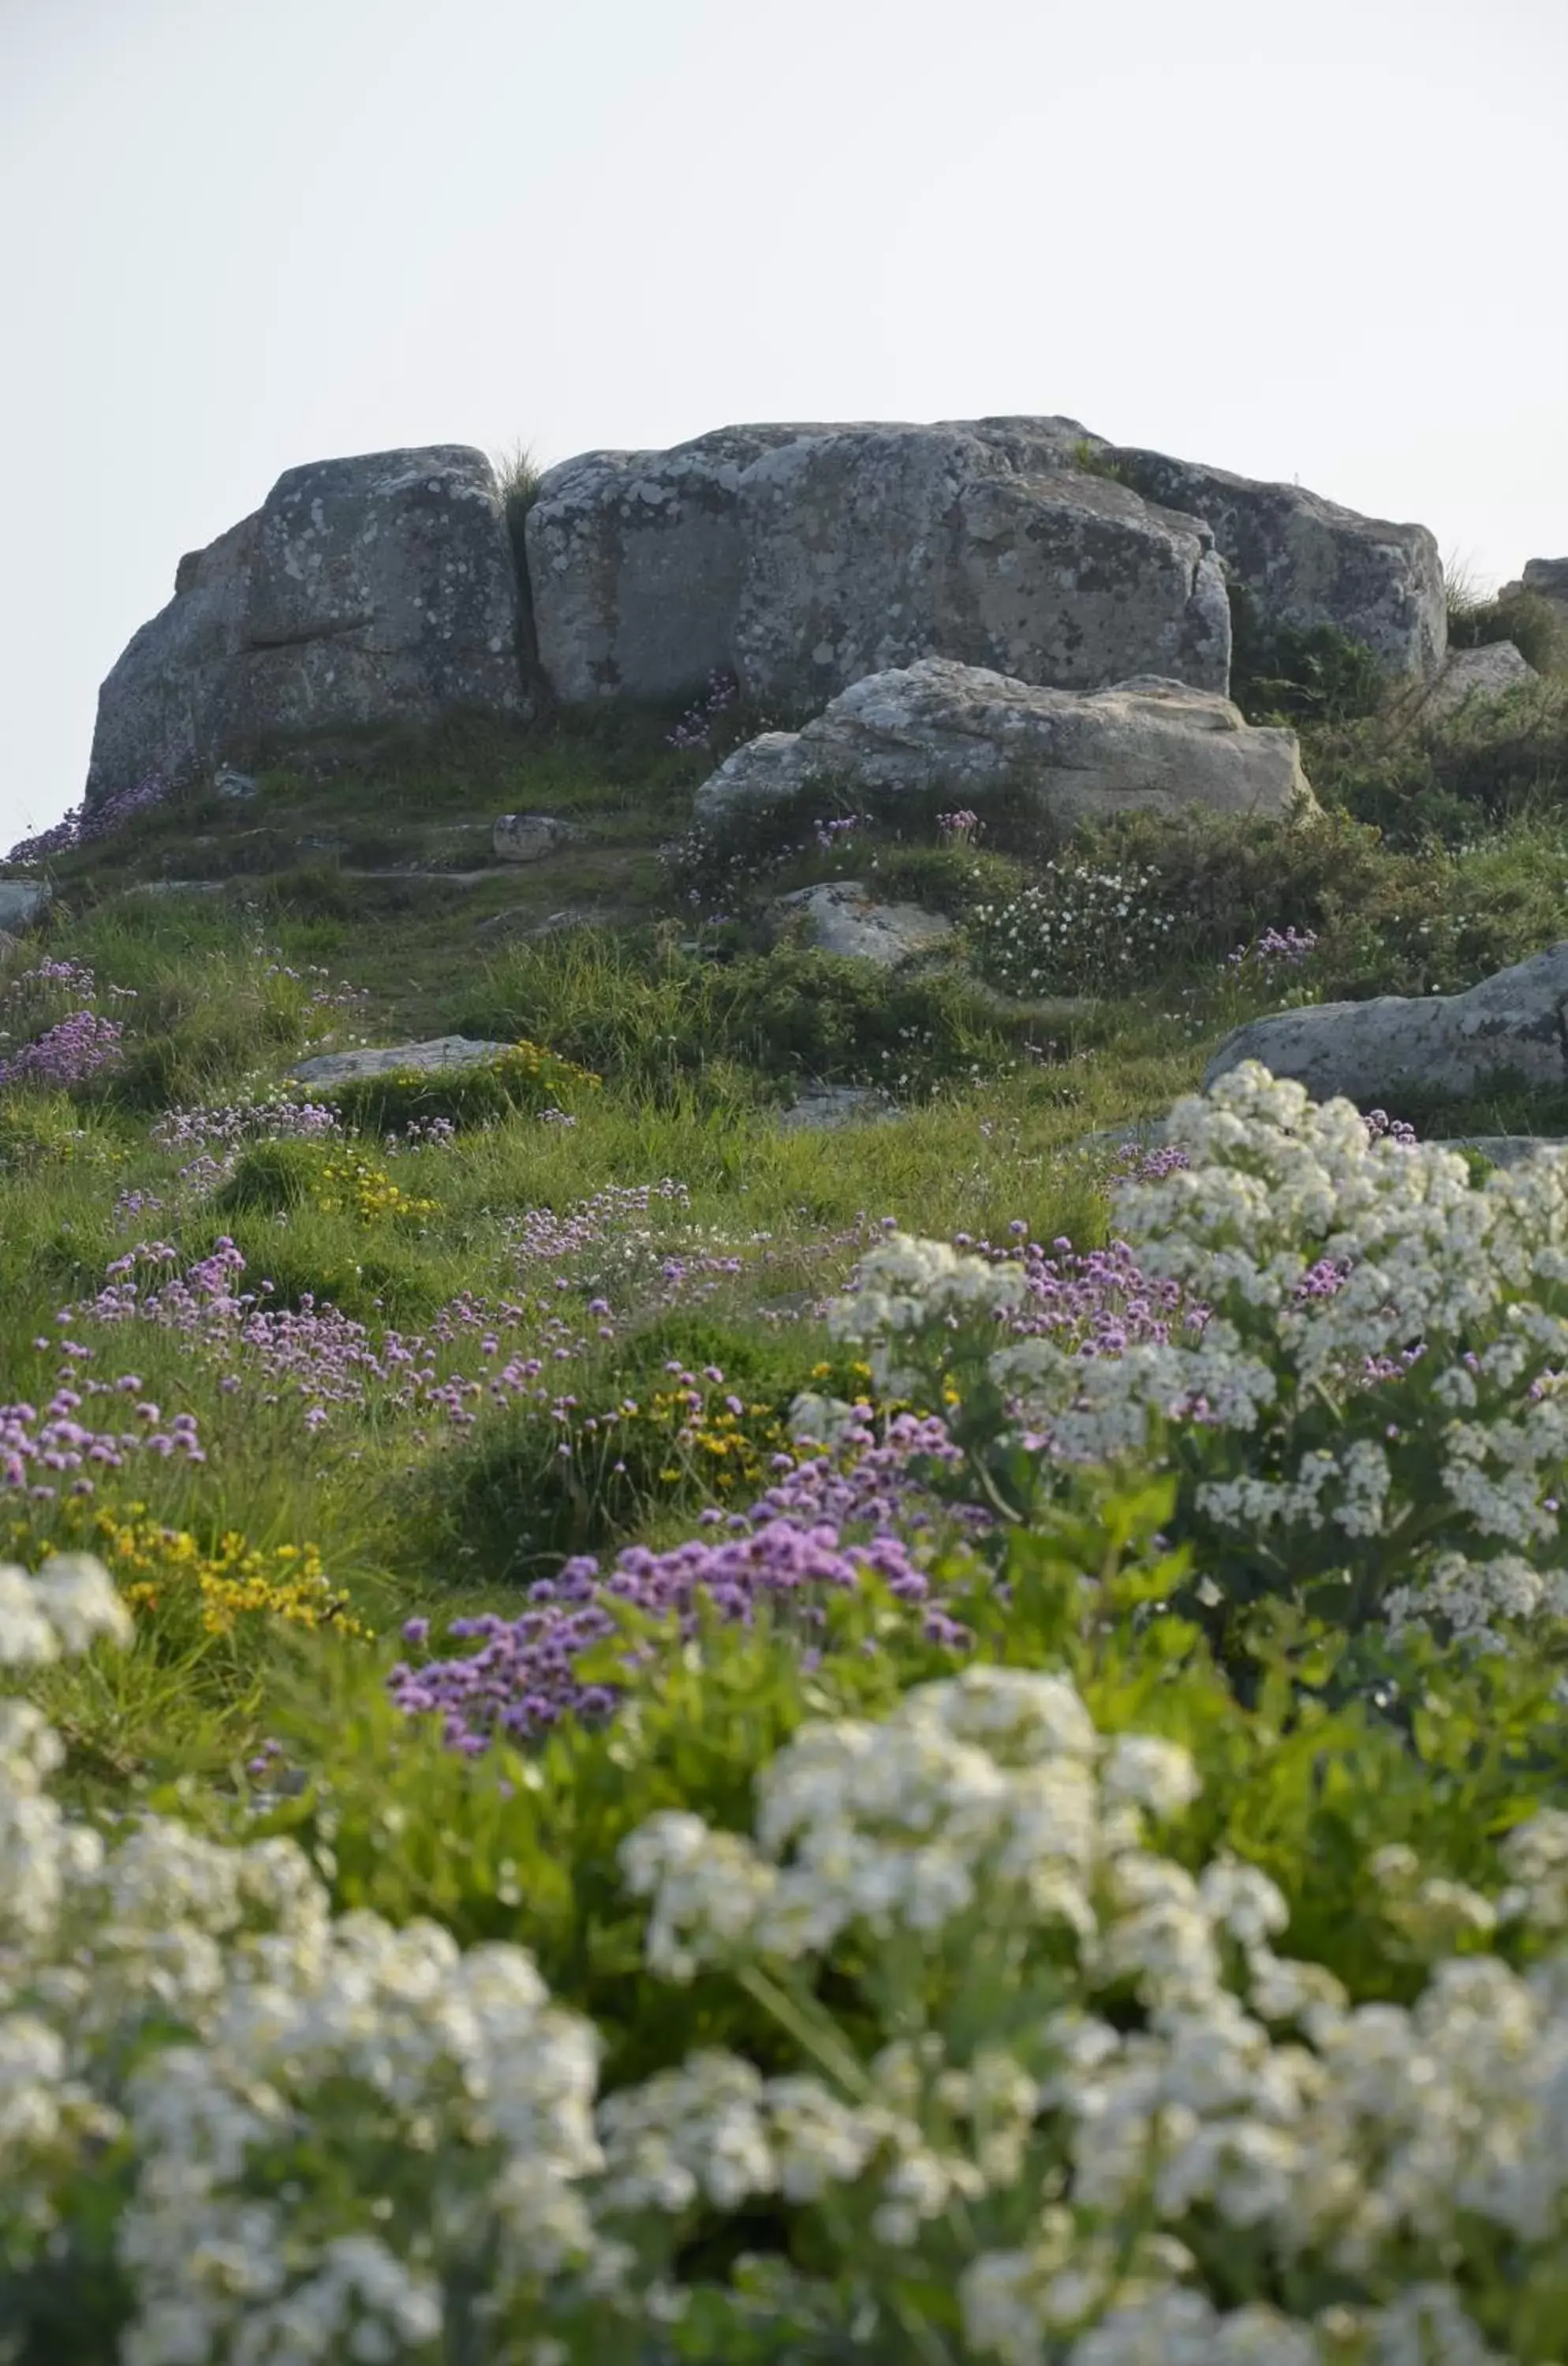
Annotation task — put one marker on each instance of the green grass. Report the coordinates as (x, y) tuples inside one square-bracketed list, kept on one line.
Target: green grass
[(699, 1033)]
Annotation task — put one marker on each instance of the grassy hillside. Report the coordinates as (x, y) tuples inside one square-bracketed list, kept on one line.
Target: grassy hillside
[(349, 1389)]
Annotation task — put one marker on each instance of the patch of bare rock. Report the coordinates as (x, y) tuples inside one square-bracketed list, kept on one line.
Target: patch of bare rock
[(442, 1052), (843, 917), (529, 837), (1487, 672)]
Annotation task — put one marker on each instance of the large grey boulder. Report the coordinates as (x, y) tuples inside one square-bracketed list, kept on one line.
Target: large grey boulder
[(1486, 672), (364, 593), (1305, 561), (801, 559), (939, 728), (841, 916), (1370, 1052)]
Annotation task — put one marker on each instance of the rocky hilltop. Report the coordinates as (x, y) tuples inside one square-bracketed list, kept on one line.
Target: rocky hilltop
[(390, 589)]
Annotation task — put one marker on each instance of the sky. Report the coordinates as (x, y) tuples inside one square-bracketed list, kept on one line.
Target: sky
[(1322, 240)]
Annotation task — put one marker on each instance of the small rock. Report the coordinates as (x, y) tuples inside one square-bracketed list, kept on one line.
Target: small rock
[(529, 837), (237, 786), (441, 1051), (827, 1107), (21, 901), (1485, 672), (840, 917)]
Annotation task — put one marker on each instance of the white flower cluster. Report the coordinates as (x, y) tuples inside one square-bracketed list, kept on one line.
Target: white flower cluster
[(342, 2141), (1077, 930), (1380, 1387), (1356, 2150), (428, 2114)]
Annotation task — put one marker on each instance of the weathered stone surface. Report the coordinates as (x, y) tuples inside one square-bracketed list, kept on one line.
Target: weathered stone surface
[(953, 730), (1485, 672), (236, 785), (21, 901), (843, 917), (364, 593), (801, 559), (529, 837), (1307, 561), (1444, 1042), (441, 1051), (828, 1108)]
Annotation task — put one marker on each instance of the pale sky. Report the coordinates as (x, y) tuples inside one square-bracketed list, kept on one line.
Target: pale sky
[(1313, 239)]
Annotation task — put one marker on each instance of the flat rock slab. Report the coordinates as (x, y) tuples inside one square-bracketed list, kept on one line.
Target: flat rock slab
[(937, 729), (1508, 1149), (524, 921), (529, 837), (21, 901), (1458, 1043), (832, 1106), (1487, 672), (842, 917), (442, 1052)]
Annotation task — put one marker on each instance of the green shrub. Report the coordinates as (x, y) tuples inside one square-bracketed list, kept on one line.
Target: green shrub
[(1522, 617), (272, 1178), (652, 1015), (1487, 762), (646, 1434), (523, 1078), (1286, 674)]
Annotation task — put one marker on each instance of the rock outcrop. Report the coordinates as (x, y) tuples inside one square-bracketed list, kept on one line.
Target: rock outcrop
[(1485, 672), (795, 559), (842, 916), (363, 592), (1457, 1043), (1304, 562), (938, 728), (802, 558)]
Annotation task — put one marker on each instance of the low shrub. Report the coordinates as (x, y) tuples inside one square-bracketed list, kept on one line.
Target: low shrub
[(523, 1078), (1522, 617), (652, 1015), (1076, 928), (1451, 778), (1291, 674)]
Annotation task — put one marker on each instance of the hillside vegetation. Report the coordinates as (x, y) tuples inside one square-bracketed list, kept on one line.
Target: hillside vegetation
[(1039, 1791)]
